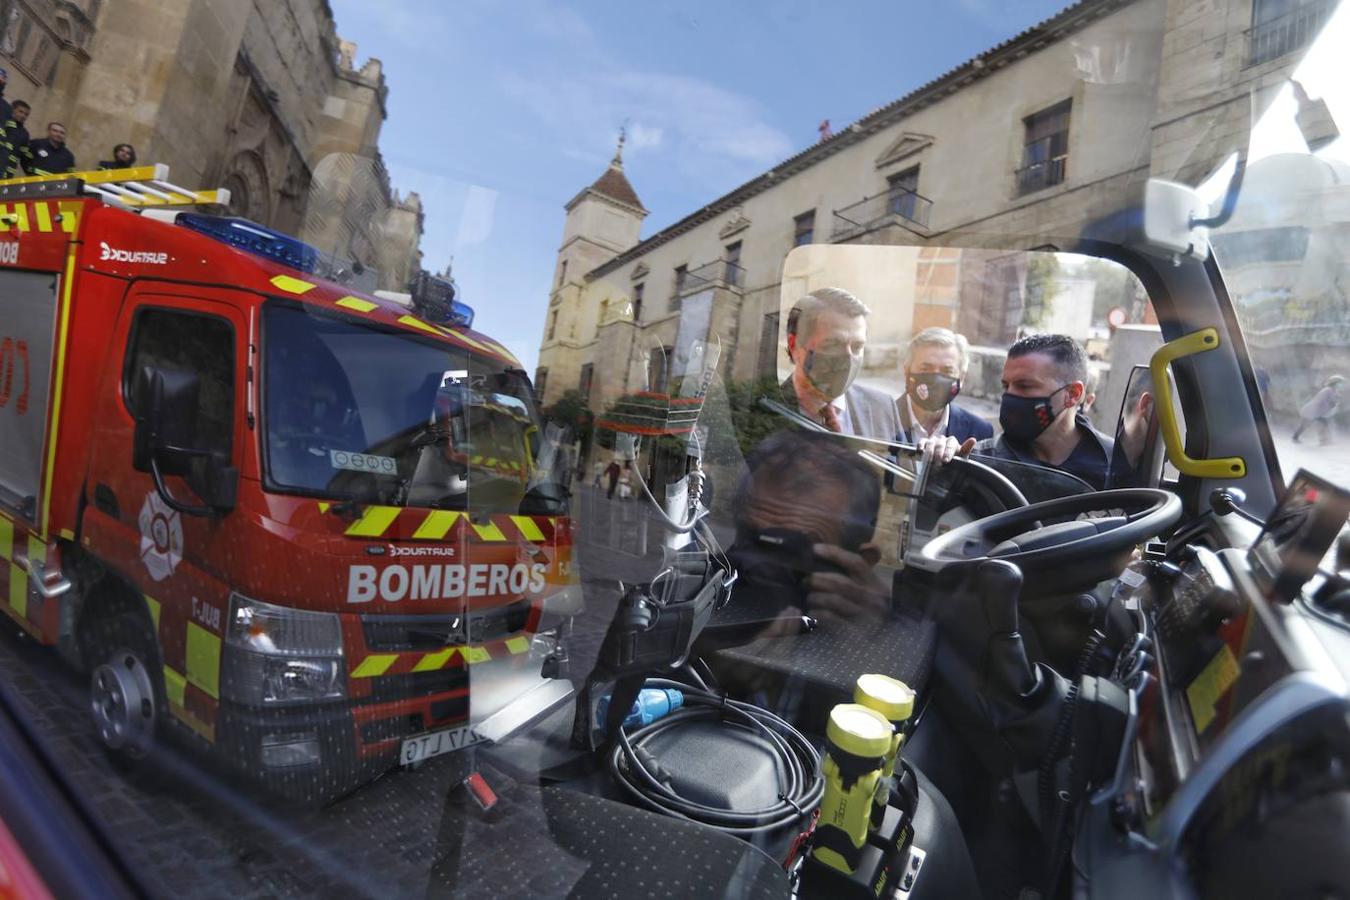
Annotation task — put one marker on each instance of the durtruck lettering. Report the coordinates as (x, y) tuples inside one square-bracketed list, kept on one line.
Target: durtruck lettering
[(398, 582)]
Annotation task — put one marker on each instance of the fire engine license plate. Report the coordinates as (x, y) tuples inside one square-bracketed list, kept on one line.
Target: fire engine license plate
[(425, 746)]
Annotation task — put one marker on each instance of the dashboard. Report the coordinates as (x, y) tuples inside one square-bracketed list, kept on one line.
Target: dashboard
[(1242, 742)]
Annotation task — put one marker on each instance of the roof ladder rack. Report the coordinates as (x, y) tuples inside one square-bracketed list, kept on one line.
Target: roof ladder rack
[(139, 187)]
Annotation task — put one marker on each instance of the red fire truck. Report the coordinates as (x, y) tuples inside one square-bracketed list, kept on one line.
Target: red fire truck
[(252, 501)]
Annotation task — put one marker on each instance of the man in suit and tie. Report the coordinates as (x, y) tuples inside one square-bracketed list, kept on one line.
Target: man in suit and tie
[(826, 333), (935, 365)]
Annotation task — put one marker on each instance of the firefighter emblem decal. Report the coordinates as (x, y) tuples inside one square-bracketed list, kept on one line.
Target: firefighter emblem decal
[(161, 537)]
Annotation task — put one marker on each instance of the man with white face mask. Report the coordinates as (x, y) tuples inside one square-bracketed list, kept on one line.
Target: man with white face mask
[(826, 333)]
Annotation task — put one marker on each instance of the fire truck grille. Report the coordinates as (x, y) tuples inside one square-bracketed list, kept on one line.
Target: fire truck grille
[(429, 633), (419, 684)]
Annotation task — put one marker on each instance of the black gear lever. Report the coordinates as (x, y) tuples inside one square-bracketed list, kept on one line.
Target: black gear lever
[(1022, 700), (1006, 667)]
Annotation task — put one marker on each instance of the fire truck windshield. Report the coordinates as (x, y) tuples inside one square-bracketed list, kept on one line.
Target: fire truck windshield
[(355, 412)]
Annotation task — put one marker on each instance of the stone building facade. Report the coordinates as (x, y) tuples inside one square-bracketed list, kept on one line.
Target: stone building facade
[(1029, 142), (263, 99)]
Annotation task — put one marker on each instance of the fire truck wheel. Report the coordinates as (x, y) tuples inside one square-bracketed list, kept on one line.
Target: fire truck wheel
[(122, 693)]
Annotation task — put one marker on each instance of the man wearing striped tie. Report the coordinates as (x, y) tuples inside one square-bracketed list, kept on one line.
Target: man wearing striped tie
[(826, 333)]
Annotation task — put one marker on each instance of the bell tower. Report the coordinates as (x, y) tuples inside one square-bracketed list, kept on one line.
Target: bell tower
[(603, 220)]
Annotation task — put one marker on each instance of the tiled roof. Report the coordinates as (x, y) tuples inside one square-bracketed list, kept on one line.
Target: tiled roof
[(614, 185)]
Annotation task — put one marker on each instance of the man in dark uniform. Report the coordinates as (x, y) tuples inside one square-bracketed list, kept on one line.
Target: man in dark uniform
[(1044, 380), (6, 113), (51, 156), (16, 136)]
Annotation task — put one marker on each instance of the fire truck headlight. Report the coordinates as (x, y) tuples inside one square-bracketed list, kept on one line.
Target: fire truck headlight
[(282, 631), (294, 680), (278, 655)]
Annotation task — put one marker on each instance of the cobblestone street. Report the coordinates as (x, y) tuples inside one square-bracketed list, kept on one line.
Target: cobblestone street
[(194, 832)]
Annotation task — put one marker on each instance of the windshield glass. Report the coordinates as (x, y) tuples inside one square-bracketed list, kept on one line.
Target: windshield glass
[(783, 450), (355, 413)]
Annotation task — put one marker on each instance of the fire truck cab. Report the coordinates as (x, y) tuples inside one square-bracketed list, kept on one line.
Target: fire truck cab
[(254, 502)]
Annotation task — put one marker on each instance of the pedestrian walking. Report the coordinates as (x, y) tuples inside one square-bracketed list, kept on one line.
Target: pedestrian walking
[(599, 473), (1319, 410), (612, 473)]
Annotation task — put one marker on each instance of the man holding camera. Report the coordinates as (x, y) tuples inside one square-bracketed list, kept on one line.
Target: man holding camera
[(806, 510)]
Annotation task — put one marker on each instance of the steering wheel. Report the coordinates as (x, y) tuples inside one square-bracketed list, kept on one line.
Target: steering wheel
[(1057, 558), (989, 484)]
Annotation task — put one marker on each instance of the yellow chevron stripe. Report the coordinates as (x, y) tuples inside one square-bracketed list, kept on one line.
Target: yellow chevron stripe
[(70, 217), (475, 654), (415, 322), (528, 528), (203, 660), (153, 604), (291, 285), (18, 590), (44, 216), (465, 338), (434, 661), (375, 665), (436, 525), (175, 686), (16, 213), (517, 645), (356, 303), (488, 532), (374, 522)]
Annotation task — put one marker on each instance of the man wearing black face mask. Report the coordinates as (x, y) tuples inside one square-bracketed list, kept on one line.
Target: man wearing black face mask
[(1044, 380), (826, 333), (937, 361)]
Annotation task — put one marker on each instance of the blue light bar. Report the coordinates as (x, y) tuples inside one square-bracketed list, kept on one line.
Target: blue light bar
[(461, 314), (254, 238)]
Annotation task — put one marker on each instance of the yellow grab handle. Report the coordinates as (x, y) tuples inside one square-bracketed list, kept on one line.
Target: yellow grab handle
[(1186, 345)]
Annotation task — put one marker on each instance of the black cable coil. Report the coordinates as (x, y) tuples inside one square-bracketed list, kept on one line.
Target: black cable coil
[(798, 765)]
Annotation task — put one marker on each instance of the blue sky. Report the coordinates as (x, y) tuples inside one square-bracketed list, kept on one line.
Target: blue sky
[(499, 114)]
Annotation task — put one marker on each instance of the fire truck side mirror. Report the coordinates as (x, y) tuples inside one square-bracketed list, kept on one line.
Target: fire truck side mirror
[(165, 441), (165, 404)]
